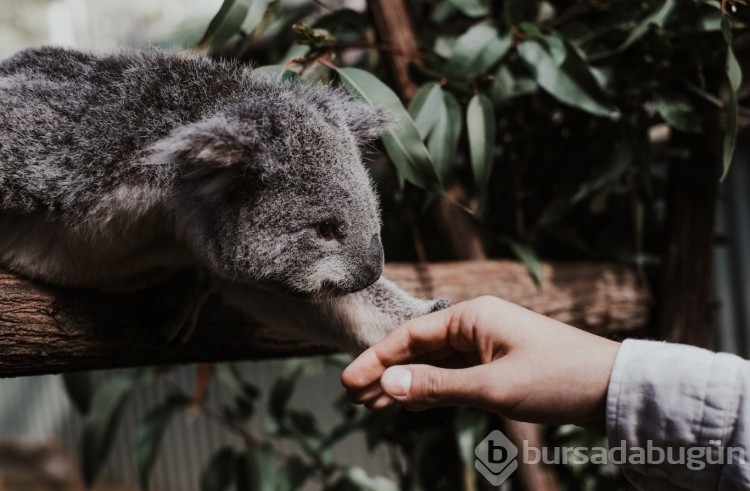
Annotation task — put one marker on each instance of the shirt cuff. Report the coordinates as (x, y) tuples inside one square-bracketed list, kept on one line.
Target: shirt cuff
[(672, 397)]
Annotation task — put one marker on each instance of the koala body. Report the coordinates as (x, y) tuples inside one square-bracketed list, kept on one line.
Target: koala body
[(119, 170)]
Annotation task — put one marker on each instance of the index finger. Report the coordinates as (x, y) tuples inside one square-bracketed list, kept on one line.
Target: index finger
[(412, 339)]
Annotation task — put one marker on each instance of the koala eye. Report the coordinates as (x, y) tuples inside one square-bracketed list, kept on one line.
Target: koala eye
[(328, 230)]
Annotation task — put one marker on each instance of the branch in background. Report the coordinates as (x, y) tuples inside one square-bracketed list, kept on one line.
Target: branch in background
[(48, 330)]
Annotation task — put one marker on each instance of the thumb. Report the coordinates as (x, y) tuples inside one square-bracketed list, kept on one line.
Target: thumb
[(425, 386)]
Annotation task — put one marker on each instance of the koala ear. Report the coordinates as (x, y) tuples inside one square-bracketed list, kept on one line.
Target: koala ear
[(212, 145), (367, 122)]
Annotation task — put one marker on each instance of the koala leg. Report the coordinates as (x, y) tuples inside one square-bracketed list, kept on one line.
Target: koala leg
[(178, 303), (351, 322)]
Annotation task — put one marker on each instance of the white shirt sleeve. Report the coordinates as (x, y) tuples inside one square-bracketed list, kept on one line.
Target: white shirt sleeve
[(685, 405)]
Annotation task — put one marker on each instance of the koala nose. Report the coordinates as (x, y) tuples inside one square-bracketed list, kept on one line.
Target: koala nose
[(373, 266), (375, 251)]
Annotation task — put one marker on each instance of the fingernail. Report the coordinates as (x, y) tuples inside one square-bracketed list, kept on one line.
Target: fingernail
[(396, 381)]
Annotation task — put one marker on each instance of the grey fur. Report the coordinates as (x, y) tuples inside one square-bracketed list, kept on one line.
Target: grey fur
[(118, 170)]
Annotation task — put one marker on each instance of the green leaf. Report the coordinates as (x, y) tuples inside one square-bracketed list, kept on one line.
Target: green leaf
[(565, 82), (292, 474), (528, 257), (470, 8), (254, 16), (656, 18), (150, 433), (403, 141), (507, 85), (219, 473), (731, 116), (423, 456), (100, 424), (477, 50), (255, 469), (470, 428), (80, 389), (282, 390), (437, 116), (480, 124), (443, 139), (243, 393), (443, 11), (677, 111), (424, 108), (225, 24)]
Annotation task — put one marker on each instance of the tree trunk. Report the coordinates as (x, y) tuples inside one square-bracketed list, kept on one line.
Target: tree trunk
[(687, 301)]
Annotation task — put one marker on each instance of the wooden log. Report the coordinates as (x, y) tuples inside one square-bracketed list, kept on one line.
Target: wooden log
[(601, 298), (47, 329)]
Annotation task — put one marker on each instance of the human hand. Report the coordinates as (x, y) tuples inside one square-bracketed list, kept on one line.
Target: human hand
[(493, 355)]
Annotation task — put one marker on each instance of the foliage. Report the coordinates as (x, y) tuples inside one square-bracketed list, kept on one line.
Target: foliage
[(537, 117), (536, 114), (258, 464)]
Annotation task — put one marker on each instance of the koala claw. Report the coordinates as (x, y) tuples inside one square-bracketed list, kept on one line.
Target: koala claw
[(177, 305)]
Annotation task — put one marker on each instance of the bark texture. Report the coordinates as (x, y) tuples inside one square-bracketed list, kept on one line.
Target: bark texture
[(47, 330)]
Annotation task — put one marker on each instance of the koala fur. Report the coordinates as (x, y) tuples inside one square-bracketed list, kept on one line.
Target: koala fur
[(117, 171)]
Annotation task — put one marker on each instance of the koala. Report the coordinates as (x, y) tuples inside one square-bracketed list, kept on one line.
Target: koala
[(143, 167)]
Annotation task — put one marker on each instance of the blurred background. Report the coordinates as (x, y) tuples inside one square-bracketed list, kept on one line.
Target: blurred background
[(563, 131)]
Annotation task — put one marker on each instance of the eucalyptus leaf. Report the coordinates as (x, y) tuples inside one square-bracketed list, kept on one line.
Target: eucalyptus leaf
[(731, 115), (282, 390), (292, 474), (100, 424), (443, 140), (425, 108), (423, 458), (443, 11), (402, 141), (508, 85), (230, 376), (254, 16), (656, 18), (219, 473), (150, 433), (677, 111), (255, 469), (528, 257), (480, 125), (477, 50), (80, 389), (470, 8), (225, 24), (566, 84), (470, 428)]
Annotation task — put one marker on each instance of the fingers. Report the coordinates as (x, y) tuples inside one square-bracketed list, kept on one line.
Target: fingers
[(426, 386), (418, 337)]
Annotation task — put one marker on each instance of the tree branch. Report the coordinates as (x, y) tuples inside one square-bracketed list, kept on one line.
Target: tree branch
[(48, 329)]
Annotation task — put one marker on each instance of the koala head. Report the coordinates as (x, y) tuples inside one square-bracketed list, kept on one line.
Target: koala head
[(271, 190)]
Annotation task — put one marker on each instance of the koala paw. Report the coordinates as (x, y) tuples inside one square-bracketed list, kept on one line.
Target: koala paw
[(440, 304), (177, 304)]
